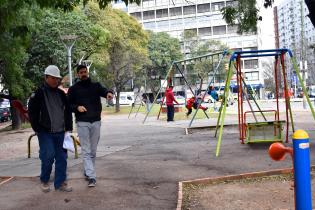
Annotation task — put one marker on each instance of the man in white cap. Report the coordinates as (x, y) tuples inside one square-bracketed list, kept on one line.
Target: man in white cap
[(50, 118)]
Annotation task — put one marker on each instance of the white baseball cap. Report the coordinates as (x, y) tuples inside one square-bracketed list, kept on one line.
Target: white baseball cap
[(52, 70)]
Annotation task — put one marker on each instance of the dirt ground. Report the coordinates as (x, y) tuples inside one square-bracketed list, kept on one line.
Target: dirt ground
[(13, 144), (273, 192)]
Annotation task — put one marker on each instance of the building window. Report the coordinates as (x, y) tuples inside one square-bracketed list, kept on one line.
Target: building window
[(176, 11), (205, 31), (161, 13), (217, 6), (252, 76), (188, 10), (251, 64), (219, 30), (136, 15), (148, 15), (232, 29), (231, 3), (201, 8)]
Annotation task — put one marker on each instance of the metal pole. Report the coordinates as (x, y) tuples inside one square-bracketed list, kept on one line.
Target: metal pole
[(69, 49), (302, 174)]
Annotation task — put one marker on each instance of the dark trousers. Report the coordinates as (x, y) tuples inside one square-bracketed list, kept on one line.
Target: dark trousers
[(170, 113), (189, 111), (50, 151)]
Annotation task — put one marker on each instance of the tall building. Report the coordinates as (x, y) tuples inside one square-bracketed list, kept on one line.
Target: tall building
[(205, 19), (296, 32)]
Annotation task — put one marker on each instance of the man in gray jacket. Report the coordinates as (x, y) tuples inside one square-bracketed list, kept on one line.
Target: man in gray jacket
[(50, 117)]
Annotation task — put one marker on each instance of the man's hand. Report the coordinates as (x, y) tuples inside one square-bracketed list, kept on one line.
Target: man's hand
[(81, 109), (109, 96)]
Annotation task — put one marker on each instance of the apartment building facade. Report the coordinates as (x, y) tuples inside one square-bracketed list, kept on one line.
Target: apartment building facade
[(296, 32), (205, 19)]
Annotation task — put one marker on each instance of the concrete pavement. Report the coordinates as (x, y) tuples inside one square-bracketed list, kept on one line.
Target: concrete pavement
[(139, 166)]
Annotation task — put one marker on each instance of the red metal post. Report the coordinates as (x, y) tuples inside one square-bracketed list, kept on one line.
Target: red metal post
[(286, 95), (240, 98), (277, 86)]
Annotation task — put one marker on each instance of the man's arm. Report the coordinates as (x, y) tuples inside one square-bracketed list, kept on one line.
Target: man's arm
[(174, 98), (34, 110), (104, 92), (68, 114), (71, 100)]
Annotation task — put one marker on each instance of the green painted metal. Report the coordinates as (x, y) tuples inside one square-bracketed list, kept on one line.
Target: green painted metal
[(226, 94), (250, 128), (155, 98), (302, 84)]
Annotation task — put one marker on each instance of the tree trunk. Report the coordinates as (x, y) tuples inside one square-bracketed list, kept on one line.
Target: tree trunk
[(117, 106), (16, 119), (15, 116)]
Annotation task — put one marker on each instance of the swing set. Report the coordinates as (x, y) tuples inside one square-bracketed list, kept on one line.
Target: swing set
[(139, 95), (179, 66), (266, 130)]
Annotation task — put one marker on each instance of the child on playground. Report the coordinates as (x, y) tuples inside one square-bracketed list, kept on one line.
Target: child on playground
[(192, 103), (213, 93)]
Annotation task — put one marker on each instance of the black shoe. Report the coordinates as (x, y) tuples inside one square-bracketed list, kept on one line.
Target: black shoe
[(92, 183)]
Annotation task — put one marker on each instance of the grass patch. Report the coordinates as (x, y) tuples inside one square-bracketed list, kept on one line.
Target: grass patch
[(163, 116)]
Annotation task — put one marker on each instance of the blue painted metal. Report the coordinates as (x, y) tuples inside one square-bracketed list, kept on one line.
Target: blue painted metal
[(302, 176)]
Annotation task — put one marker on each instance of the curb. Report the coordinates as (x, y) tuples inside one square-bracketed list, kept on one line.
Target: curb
[(190, 130), (212, 180), (7, 179)]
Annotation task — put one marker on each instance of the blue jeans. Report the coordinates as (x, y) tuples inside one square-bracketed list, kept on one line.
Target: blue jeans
[(50, 150)]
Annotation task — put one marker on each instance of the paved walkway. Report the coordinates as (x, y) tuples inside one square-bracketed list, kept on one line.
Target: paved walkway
[(138, 167)]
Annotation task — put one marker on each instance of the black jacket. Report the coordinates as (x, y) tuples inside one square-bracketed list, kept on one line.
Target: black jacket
[(87, 93), (38, 112)]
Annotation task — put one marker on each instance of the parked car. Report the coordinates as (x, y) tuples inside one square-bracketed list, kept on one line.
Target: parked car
[(5, 114), (126, 98), (5, 103)]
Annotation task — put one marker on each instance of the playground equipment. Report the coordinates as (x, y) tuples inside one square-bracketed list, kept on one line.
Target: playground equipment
[(180, 67), (265, 131), (143, 102), (301, 167), (24, 115), (211, 82)]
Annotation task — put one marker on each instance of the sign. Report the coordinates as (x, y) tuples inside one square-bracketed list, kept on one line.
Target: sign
[(294, 79)]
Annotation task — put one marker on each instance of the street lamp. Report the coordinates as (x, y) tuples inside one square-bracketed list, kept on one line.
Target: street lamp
[(304, 75), (68, 41)]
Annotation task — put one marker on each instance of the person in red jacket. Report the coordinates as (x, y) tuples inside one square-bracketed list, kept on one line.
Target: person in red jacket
[(192, 103), (170, 99)]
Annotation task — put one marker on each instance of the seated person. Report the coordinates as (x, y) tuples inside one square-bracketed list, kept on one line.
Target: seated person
[(192, 103), (213, 93)]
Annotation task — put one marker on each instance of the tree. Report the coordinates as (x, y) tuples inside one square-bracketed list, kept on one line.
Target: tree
[(200, 69), (17, 21), (127, 46), (269, 76), (47, 47), (163, 50), (246, 14)]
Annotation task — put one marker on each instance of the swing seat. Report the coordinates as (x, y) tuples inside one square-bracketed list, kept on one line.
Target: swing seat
[(268, 131)]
